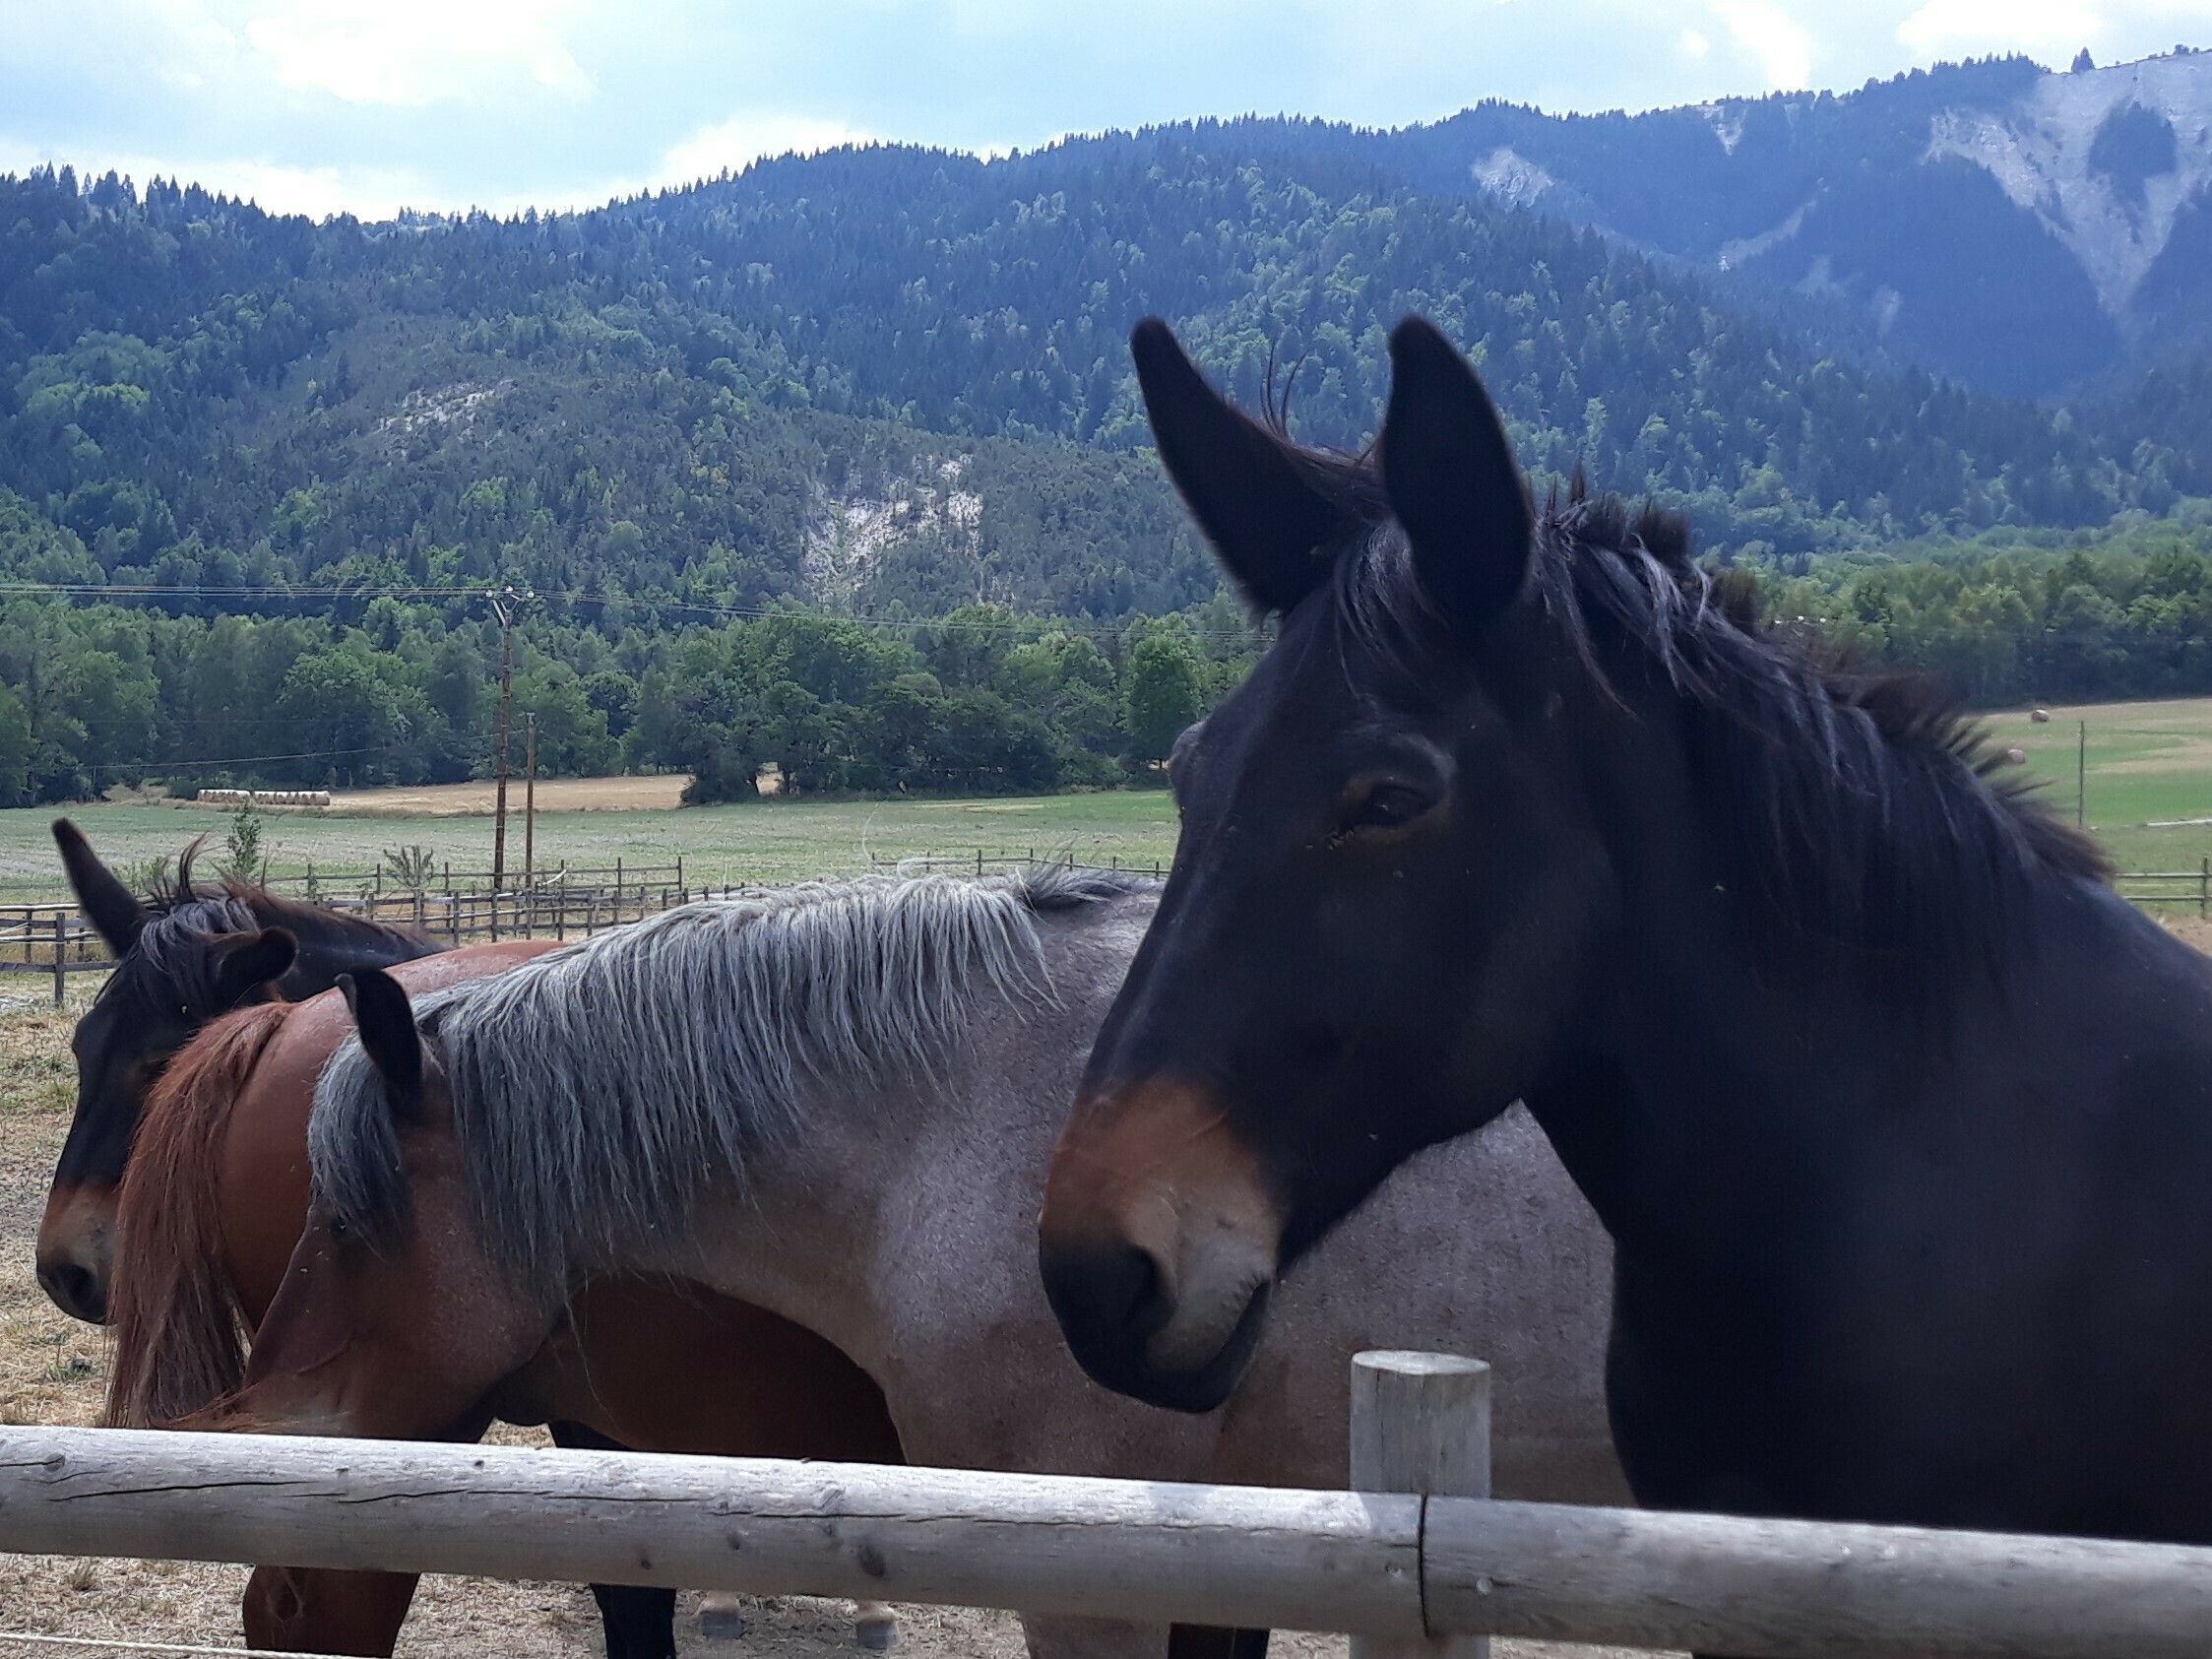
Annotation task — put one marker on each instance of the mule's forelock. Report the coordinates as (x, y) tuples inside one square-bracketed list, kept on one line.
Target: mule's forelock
[(599, 1091)]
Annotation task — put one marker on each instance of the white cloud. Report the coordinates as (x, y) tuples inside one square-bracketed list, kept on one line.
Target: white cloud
[(1695, 44), (1781, 45), (415, 51), (749, 136), (2043, 28)]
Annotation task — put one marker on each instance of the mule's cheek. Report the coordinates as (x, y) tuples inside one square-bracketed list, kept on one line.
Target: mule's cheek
[(76, 1249)]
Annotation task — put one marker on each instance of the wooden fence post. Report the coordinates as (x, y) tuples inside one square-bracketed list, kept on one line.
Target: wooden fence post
[(1420, 1423), (61, 961), (2204, 890)]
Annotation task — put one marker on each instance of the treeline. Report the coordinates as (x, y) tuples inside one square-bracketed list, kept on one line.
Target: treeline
[(2009, 618), (977, 702)]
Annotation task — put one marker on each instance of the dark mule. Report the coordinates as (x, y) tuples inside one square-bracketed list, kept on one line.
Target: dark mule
[(212, 1207), (1901, 1120), (179, 962)]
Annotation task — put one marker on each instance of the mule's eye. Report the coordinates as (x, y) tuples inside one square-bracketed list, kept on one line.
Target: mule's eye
[(1387, 805)]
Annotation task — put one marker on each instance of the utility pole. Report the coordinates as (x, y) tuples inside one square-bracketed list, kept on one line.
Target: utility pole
[(529, 802), (506, 605), (2081, 777)]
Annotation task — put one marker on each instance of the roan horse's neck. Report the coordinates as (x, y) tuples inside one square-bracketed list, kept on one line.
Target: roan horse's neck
[(847, 1225)]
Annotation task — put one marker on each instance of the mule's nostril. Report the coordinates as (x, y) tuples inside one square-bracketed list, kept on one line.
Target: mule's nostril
[(1132, 1293), (1105, 1292), (76, 1289)]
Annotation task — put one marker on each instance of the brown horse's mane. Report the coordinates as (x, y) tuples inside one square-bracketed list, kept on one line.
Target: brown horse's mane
[(178, 1329)]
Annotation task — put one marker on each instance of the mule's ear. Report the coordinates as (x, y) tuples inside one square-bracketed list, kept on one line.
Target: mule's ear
[(250, 960), (111, 908), (1448, 469), (1268, 525), (388, 1035)]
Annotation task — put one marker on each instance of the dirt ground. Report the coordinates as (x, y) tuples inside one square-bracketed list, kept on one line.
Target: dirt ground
[(53, 1370)]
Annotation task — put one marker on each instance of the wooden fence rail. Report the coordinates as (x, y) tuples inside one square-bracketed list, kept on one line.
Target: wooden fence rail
[(1391, 1568)]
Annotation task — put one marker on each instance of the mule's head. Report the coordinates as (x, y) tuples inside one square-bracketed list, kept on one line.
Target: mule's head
[(391, 1320), (166, 984), (1388, 888)]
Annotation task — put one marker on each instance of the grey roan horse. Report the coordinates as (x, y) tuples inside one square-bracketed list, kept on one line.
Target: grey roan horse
[(838, 1104)]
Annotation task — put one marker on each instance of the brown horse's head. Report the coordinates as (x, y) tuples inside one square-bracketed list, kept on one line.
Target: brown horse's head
[(177, 966), (392, 1319)]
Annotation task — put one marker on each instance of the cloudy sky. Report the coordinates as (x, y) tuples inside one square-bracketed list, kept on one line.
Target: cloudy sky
[(369, 105)]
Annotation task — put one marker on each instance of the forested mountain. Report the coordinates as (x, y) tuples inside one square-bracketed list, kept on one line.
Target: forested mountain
[(899, 376)]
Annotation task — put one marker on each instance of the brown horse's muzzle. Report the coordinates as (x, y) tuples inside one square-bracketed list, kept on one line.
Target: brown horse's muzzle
[(76, 1249), (1158, 1244)]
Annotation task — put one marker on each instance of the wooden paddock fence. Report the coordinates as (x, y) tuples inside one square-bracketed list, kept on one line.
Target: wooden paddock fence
[(51, 939), (1419, 1570), (2170, 887)]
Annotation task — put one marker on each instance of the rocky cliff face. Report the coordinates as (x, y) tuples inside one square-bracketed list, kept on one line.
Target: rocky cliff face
[(2021, 228)]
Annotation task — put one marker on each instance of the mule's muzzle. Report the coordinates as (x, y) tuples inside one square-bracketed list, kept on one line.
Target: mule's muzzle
[(1158, 1246), (1112, 1301), (76, 1252)]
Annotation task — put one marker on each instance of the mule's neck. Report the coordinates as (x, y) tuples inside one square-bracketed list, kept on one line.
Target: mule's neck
[(1732, 1079)]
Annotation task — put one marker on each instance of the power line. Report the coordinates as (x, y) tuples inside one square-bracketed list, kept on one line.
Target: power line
[(734, 612)]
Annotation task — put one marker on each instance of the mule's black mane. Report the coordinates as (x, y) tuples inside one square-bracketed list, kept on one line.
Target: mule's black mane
[(175, 959), (1862, 811)]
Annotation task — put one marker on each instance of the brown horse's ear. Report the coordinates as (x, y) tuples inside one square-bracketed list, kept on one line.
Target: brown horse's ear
[(1271, 527), (250, 960), (111, 908), (387, 1023), (1448, 469)]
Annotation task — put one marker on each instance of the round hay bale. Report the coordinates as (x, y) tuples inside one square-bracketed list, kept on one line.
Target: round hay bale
[(2016, 757), (2041, 716)]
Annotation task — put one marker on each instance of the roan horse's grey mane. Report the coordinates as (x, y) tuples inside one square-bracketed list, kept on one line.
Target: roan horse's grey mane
[(598, 1090)]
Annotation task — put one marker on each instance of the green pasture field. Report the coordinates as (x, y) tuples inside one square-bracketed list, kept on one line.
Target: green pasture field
[(767, 841), (2146, 768)]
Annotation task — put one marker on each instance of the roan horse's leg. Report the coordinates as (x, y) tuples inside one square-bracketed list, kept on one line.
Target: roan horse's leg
[(875, 1625)]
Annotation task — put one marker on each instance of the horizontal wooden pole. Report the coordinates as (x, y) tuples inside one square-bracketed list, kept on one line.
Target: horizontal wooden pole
[(1808, 1589), (1248, 1556), (1239, 1556)]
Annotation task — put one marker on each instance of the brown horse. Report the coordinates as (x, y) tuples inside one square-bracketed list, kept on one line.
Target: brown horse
[(213, 1202), (179, 962)]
